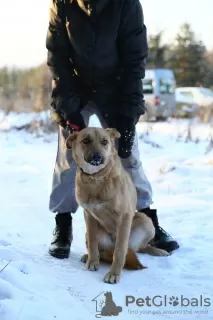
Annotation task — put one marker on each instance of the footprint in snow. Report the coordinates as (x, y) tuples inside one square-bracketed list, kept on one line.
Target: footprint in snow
[(20, 266), (4, 243), (6, 290), (15, 273)]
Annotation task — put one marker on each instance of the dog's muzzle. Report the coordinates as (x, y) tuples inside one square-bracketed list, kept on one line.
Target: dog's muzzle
[(95, 159)]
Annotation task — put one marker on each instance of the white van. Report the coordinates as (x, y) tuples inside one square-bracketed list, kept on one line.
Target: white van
[(159, 93), (201, 96)]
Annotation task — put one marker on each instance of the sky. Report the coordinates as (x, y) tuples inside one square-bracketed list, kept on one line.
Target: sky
[(23, 26)]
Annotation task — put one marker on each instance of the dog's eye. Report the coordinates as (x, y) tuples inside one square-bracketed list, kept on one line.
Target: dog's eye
[(104, 142), (86, 140)]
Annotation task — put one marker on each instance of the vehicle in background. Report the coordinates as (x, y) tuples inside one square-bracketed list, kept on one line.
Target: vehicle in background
[(186, 107), (203, 97), (159, 94)]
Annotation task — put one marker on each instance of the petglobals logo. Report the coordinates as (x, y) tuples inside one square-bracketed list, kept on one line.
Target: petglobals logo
[(106, 306), (165, 301)]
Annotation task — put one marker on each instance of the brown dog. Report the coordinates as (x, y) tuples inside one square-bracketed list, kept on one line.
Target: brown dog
[(114, 230)]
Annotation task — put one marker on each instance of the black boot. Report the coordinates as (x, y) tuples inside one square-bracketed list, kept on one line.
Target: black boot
[(162, 239), (60, 245)]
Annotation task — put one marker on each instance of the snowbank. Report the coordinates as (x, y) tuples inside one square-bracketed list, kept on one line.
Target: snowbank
[(13, 120)]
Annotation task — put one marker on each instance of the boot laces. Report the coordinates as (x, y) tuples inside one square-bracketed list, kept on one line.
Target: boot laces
[(62, 232), (162, 231)]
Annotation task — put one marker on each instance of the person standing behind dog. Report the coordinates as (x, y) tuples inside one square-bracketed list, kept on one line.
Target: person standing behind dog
[(97, 51)]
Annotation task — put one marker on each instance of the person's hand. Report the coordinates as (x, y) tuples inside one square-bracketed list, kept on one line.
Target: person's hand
[(126, 127), (56, 116), (71, 121), (76, 122)]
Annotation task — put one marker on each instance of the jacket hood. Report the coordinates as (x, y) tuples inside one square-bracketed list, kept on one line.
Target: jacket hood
[(92, 7)]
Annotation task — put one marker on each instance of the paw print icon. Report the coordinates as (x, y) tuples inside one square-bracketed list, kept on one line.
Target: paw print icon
[(174, 301)]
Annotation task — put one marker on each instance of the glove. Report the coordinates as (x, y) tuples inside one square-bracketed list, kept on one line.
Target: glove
[(71, 122), (56, 116), (76, 122), (66, 105), (126, 127)]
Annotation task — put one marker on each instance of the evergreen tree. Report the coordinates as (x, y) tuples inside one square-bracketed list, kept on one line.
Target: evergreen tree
[(157, 51), (188, 59), (209, 73)]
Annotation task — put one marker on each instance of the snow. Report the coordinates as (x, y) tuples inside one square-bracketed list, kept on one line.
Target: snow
[(35, 286), (13, 119)]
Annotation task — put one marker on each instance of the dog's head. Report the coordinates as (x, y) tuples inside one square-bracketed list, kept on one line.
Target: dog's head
[(92, 148), (108, 294)]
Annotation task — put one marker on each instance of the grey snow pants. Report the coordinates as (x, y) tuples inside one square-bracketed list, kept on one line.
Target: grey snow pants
[(62, 197)]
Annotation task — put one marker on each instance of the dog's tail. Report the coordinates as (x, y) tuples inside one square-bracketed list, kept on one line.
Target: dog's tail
[(119, 309), (154, 251), (131, 263)]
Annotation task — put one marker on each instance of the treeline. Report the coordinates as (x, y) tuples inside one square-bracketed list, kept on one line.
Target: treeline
[(187, 56), (30, 90), (25, 90)]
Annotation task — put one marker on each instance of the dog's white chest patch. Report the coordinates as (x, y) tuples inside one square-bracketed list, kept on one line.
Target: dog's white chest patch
[(93, 206)]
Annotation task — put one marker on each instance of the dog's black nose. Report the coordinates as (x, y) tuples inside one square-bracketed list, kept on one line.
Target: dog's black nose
[(96, 159)]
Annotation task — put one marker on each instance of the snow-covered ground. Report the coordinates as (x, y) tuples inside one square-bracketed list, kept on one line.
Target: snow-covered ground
[(35, 286), (13, 119)]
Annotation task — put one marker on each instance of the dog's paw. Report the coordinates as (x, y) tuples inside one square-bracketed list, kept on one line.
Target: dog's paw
[(84, 258), (111, 278), (93, 265), (162, 253)]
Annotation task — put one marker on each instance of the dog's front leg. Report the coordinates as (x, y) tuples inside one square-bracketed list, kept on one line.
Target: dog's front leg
[(92, 241), (121, 246)]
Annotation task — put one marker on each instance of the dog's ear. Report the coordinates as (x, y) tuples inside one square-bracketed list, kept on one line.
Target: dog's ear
[(70, 140), (113, 133)]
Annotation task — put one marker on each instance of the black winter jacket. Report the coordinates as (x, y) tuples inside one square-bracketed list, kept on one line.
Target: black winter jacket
[(97, 55)]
